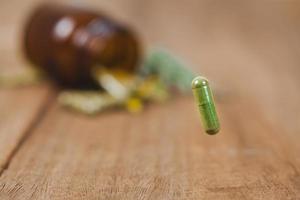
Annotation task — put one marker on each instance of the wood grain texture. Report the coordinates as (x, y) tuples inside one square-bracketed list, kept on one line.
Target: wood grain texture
[(120, 156), (20, 108), (249, 50)]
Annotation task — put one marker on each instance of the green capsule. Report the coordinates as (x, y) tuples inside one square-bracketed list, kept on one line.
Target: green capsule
[(206, 105)]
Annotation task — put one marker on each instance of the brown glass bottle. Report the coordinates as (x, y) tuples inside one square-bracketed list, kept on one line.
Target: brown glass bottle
[(67, 42)]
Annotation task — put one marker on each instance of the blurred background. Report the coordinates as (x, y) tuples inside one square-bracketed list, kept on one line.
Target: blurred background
[(249, 48)]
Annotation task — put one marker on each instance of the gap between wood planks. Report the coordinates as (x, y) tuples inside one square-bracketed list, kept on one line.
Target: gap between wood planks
[(41, 113)]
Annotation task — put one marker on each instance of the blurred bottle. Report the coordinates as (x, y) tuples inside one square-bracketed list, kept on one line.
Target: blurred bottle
[(67, 43)]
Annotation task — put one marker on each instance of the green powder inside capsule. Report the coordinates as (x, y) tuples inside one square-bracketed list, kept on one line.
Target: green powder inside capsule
[(206, 105)]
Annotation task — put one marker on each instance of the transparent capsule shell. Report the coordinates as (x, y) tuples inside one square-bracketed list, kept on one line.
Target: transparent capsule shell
[(205, 102)]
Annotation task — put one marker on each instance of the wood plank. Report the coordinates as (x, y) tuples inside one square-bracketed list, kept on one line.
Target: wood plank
[(157, 155), (249, 49), (20, 110)]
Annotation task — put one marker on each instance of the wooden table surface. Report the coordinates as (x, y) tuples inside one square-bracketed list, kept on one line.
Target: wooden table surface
[(250, 50)]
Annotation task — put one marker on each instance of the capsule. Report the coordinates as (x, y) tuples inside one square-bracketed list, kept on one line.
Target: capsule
[(206, 105)]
